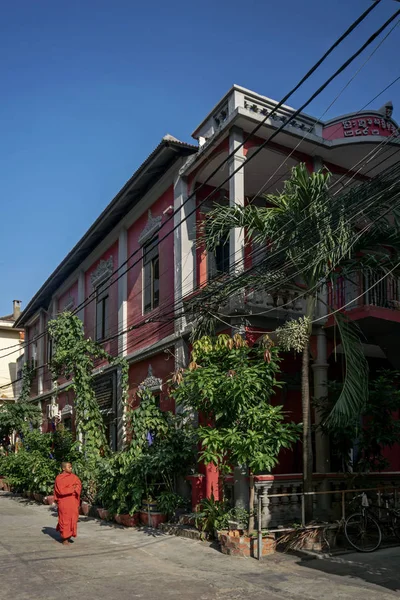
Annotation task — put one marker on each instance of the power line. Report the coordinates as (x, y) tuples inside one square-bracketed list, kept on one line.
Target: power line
[(348, 31), (258, 126)]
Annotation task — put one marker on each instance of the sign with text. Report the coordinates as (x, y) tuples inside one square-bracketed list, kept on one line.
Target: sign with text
[(361, 126)]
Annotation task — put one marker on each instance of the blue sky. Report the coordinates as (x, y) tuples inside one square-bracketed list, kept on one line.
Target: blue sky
[(89, 88)]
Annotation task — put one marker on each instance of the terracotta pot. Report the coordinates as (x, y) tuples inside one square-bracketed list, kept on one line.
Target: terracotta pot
[(102, 513), (85, 508), (127, 520), (49, 500), (156, 518)]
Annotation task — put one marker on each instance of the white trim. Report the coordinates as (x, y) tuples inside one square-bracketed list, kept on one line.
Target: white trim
[(81, 295), (152, 226), (40, 354), (122, 293)]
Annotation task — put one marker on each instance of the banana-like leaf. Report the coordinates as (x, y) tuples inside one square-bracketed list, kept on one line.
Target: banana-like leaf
[(354, 393)]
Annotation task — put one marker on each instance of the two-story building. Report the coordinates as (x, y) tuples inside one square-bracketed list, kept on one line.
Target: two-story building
[(11, 353), (145, 240)]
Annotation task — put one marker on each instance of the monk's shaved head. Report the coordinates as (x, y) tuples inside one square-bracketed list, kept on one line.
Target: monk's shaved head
[(66, 466)]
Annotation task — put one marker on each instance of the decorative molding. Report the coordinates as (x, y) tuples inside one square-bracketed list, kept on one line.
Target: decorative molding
[(69, 303), (67, 410), (261, 109), (154, 384), (104, 269), (152, 226)]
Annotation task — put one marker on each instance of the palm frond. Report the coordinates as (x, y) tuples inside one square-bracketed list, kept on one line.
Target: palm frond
[(354, 394)]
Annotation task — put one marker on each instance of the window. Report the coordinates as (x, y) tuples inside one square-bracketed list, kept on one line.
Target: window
[(218, 261), (101, 312), (151, 275)]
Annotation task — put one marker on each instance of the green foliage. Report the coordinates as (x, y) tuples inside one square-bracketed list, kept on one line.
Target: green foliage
[(74, 357), (374, 430), (313, 238), (37, 463), (231, 384), (215, 515), (294, 334), (161, 446), (168, 502), (354, 392), (18, 417)]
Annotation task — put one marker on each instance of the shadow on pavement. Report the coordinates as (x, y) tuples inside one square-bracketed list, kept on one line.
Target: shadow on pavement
[(381, 574), (51, 532)]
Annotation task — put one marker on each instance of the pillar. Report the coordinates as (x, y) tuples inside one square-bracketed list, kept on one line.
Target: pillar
[(81, 295), (41, 355), (241, 486), (236, 197), (184, 247), (320, 371), (122, 283), (211, 481)]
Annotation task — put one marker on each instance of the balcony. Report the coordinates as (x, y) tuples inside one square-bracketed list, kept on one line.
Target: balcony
[(371, 301)]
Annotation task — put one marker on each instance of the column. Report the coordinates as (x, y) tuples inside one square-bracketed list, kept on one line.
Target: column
[(184, 247), (236, 197), (122, 292), (40, 353), (122, 283), (81, 295), (241, 486), (320, 371)]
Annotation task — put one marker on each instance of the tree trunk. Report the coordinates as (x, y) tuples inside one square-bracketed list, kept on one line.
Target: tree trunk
[(251, 503), (307, 445)]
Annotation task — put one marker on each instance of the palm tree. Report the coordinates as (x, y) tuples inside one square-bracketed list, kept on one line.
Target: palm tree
[(312, 238)]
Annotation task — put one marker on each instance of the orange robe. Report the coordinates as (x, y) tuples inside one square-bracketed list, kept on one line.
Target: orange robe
[(67, 490)]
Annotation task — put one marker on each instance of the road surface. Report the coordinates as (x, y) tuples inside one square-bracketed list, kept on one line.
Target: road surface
[(108, 562)]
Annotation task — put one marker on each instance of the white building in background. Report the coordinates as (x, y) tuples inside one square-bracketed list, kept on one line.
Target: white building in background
[(11, 349)]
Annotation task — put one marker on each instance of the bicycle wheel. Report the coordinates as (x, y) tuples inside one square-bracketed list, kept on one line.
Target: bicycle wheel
[(363, 532), (396, 523)]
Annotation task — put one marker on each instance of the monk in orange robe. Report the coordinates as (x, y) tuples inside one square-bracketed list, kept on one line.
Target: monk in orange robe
[(67, 492)]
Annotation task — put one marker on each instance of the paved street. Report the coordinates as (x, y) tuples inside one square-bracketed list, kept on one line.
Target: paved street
[(111, 562)]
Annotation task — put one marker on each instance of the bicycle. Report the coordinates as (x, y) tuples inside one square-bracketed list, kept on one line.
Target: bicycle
[(363, 529)]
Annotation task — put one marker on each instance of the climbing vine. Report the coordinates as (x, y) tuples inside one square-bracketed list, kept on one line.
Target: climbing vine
[(28, 374), (74, 358)]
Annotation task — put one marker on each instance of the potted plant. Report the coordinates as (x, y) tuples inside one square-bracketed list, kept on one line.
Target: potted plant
[(169, 502), (103, 513)]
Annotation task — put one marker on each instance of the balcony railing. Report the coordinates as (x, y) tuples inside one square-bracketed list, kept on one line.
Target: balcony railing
[(366, 290)]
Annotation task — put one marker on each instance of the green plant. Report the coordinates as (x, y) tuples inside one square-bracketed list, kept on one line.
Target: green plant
[(314, 238), (231, 385), (74, 358), (18, 416), (212, 515), (169, 502), (375, 429)]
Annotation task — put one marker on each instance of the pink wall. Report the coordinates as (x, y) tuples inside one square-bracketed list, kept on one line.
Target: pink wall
[(163, 366), (65, 298), (90, 308), (150, 333)]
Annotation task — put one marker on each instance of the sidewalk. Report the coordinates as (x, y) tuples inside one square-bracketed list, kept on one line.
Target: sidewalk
[(108, 562)]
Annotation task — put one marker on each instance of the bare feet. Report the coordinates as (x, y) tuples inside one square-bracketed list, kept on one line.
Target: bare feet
[(65, 543)]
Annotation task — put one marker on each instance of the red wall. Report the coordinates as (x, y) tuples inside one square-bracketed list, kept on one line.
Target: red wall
[(146, 334), (90, 308), (163, 366)]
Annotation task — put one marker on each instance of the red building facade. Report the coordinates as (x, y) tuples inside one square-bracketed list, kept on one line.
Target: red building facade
[(145, 240)]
